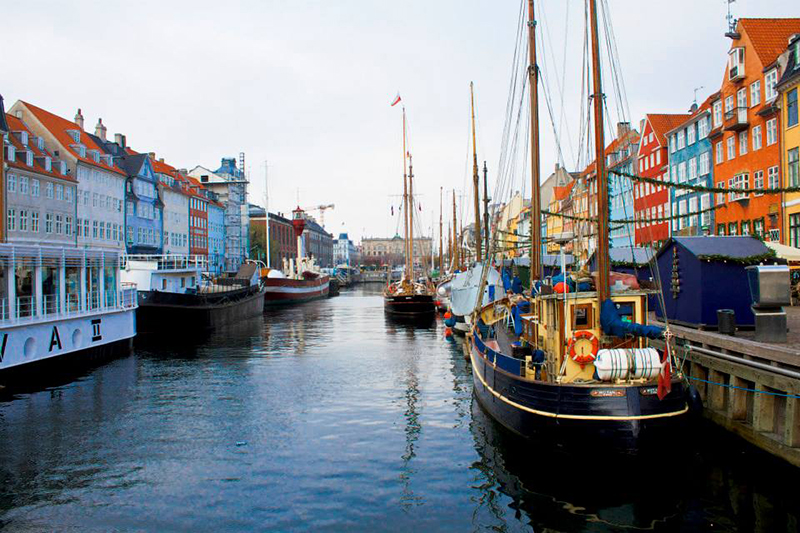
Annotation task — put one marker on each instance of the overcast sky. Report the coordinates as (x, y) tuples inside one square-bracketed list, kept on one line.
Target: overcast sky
[(307, 84)]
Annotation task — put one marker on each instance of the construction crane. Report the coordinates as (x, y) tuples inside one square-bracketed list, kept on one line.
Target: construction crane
[(321, 209)]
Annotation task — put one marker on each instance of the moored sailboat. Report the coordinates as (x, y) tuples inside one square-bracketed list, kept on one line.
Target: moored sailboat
[(408, 297), (576, 366)]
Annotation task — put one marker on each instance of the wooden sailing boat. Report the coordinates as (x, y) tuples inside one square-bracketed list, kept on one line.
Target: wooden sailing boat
[(576, 368), (409, 297)]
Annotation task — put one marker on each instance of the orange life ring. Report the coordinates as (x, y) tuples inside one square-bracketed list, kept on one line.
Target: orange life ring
[(583, 360)]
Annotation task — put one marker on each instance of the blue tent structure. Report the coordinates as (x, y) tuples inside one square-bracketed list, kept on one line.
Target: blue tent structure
[(551, 263), (700, 275), (631, 260)]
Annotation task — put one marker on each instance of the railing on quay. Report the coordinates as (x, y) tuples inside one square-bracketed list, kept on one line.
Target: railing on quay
[(168, 261), (27, 310)]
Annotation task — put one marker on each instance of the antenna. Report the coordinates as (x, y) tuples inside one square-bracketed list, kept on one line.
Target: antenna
[(695, 94), (731, 21)]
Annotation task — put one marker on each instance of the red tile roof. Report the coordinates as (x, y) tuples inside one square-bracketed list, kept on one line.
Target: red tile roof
[(15, 124), (662, 123), (770, 37), (58, 127)]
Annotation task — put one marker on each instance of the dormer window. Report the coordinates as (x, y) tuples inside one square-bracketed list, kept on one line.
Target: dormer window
[(75, 134), (29, 158), (770, 81), (48, 163), (40, 143), (80, 149), (108, 160), (736, 64), (95, 155), (23, 137), (62, 168)]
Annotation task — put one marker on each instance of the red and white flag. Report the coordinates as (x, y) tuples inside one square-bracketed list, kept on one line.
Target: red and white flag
[(396, 100), (665, 377)]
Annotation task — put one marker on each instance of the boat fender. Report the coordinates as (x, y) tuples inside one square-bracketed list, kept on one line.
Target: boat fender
[(694, 400), (448, 314), (583, 359), (448, 332)]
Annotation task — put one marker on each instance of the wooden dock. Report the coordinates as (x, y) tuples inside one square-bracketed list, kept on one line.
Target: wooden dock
[(748, 387)]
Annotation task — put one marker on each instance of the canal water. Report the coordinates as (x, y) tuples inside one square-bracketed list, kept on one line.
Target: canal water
[(330, 417)]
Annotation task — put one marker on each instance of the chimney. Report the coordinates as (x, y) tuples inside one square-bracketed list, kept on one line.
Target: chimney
[(152, 155), (79, 119), (120, 139), (100, 129), (161, 160), (622, 129)]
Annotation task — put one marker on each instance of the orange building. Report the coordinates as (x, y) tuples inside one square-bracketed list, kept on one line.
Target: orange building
[(745, 129)]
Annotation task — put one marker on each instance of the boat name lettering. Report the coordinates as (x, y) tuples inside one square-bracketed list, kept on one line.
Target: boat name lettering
[(55, 339), (96, 336), (607, 393), (648, 391)]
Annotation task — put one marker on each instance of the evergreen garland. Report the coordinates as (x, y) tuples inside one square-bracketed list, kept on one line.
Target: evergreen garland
[(769, 255), (631, 221), (702, 188)]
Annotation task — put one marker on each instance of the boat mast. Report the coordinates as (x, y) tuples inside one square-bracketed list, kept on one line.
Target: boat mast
[(600, 163), (411, 215), (485, 211), (441, 257), (455, 235), (475, 179), (405, 198), (536, 217), (266, 210)]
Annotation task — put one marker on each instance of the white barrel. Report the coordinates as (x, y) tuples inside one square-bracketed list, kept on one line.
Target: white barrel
[(638, 363)]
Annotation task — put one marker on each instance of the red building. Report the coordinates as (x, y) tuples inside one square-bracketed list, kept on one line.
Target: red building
[(651, 201), (198, 217)]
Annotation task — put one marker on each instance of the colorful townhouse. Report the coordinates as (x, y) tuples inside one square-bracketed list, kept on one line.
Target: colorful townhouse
[(621, 157), (651, 201), (3, 132), (216, 237), (745, 129), (175, 217), (691, 162), (33, 216), (198, 218), (100, 221), (788, 88)]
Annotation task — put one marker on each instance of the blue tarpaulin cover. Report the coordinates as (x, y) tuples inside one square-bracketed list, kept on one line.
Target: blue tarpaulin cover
[(516, 312), (613, 324)]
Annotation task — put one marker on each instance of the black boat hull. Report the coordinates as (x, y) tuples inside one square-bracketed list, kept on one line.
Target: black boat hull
[(627, 420), (414, 305), (162, 312)]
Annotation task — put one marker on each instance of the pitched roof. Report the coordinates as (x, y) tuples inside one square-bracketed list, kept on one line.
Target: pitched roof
[(562, 192), (769, 36), (792, 71), (58, 127), (15, 124), (663, 122)]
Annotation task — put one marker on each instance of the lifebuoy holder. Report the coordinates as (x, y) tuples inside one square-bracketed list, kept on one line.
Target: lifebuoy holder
[(583, 359)]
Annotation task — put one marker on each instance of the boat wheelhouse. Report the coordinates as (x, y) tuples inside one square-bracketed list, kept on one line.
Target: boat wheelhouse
[(59, 301)]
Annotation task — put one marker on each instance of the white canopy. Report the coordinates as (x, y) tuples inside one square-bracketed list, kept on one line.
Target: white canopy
[(788, 253), (464, 289)]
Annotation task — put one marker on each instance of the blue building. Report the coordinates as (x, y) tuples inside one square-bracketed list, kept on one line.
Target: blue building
[(216, 238), (690, 161), (143, 207), (620, 156)]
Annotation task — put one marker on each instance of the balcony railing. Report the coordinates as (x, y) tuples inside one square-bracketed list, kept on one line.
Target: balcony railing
[(26, 310), (736, 119)]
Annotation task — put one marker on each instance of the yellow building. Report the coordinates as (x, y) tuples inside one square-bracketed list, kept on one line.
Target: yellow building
[(789, 87), (508, 224)]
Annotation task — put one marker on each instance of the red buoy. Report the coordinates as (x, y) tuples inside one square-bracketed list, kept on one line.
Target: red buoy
[(448, 332), (447, 314)]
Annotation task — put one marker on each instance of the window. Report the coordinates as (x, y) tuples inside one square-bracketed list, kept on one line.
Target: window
[(60, 192), (793, 167), (68, 225), (23, 185), (95, 198), (731, 148), (682, 172), (705, 163), (658, 157), (129, 208), (755, 93), (48, 223), (705, 204), (94, 229), (741, 98), (791, 108), (68, 194), (773, 178), (772, 131), (672, 144), (35, 188), (690, 135), (770, 80), (23, 220), (102, 230), (719, 153), (758, 179), (11, 183), (681, 140), (717, 114), (12, 219), (740, 181), (733, 228), (745, 227), (794, 230), (35, 222), (742, 143), (758, 227), (59, 224), (702, 128), (49, 190), (129, 235), (757, 138), (728, 104), (736, 63), (720, 229), (693, 168)]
